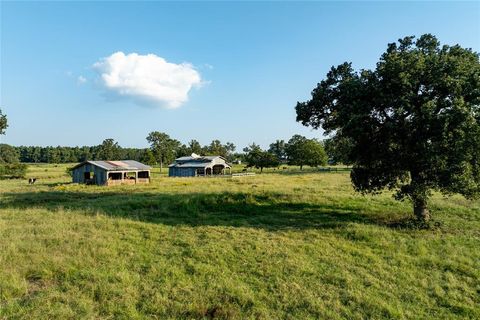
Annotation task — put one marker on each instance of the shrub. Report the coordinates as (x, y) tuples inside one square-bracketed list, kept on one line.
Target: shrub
[(69, 171), (13, 170)]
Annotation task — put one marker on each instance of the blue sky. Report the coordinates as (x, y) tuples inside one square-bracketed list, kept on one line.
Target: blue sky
[(245, 64)]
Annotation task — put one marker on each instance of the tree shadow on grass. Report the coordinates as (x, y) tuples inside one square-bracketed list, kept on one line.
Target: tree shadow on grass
[(267, 211)]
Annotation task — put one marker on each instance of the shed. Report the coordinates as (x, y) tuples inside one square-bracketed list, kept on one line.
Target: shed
[(111, 172), (195, 165)]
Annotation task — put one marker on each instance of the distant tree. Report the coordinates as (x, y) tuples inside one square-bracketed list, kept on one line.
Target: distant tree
[(85, 153), (132, 153), (413, 121), (148, 157), (67, 154), (338, 149), (52, 155), (108, 150), (194, 147), (24, 153), (278, 148), (36, 155), (182, 151), (217, 148), (13, 170), (3, 123), (252, 148), (302, 151), (237, 156), (230, 148), (8, 154), (258, 158), (10, 167), (75, 154), (267, 160), (163, 147)]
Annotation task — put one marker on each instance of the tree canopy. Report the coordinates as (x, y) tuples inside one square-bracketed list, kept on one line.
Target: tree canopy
[(338, 149), (8, 154), (413, 122), (194, 147), (301, 151), (109, 150), (3, 123), (148, 157), (258, 158), (217, 148), (163, 147), (278, 148)]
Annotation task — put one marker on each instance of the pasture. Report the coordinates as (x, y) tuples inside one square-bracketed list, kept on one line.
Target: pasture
[(278, 245)]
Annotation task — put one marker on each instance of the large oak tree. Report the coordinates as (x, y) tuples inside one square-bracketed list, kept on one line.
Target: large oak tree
[(413, 122)]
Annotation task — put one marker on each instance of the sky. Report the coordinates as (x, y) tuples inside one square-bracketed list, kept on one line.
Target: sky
[(76, 73)]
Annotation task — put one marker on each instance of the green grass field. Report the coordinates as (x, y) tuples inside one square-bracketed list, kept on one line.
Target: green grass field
[(280, 245)]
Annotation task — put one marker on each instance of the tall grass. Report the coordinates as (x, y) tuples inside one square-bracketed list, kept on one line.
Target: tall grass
[(277, 245)]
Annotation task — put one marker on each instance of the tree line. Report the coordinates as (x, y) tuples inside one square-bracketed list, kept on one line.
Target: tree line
[(297, 151), (163, 150), (109, 149)]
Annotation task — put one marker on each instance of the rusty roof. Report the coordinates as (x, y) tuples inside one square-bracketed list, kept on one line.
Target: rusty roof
[(123, 165)]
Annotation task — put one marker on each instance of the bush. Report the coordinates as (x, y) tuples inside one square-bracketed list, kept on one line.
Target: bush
[(69, 171), (13, 170), (8, 154)]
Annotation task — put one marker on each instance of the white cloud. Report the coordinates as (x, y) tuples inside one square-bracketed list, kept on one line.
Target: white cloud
[(81, 80), (148, 77)]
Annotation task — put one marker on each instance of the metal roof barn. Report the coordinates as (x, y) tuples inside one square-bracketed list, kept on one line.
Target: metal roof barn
[(111, 172), (195, 165)]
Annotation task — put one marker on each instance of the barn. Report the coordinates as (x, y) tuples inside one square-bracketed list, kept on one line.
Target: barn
[(195, 165), (110, 173)]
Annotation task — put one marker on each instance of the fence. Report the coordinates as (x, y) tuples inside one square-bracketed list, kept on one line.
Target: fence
[(235, 175)]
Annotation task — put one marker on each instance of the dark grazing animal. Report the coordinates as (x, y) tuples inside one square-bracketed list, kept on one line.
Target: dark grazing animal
[(32, 180)]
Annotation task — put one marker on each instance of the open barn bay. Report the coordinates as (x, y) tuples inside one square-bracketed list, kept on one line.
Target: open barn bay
[(276, 245)]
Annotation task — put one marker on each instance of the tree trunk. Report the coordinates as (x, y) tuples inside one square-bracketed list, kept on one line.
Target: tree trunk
[(301, 167), (420, 210), (161, 166)]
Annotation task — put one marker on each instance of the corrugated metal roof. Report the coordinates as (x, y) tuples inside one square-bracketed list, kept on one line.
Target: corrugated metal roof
[(185, 158), (191, 165), (196, 161), (198, 158), (117, 165)]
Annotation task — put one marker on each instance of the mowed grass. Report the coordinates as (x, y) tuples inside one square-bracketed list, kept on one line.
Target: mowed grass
[(281, 245)]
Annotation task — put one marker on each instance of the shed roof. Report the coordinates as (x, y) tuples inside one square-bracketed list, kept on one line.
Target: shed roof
[(196, 161), (122, 165), (199, 158), (191, 165)]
